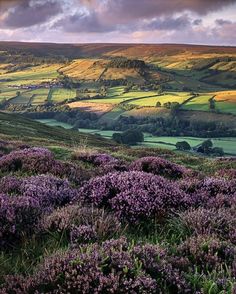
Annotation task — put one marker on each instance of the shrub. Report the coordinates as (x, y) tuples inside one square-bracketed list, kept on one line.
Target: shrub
[(159, 166), (134, 195), (207, 252), (10, 185), (66, 218), (18, 217), (220, 222), (48, 190), (210, 192), (31, 159), (113, 267), (95, 158), (39, 161), (83, 234)]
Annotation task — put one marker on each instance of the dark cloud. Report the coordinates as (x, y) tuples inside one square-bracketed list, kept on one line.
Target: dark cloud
[(28, 13), (82, 22), (126, 10), (170, 23), (222, 22), (197, 22)]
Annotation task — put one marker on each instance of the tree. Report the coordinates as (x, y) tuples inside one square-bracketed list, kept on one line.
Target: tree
[(183, 145), (218, 151), (212, 104), (158, 104), (129, 137)]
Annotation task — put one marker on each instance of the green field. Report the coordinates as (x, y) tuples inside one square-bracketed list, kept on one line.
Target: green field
[(179, 97), (60, 94), (228, 144), (200, 102)]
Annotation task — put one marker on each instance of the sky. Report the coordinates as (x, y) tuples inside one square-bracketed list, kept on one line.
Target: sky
[(210, 22)]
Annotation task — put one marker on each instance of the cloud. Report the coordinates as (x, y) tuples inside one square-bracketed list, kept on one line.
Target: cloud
[(27, 13), (170, 23), (222, 22)]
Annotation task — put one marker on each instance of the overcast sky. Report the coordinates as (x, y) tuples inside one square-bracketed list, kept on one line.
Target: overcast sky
[(126, 21)]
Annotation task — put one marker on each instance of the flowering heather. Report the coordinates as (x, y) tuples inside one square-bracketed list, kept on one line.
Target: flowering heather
[(83, 234), (40, 161), (207, 252), (134, 195), (10, 185), (66, 218), (159, 166), (95, 158), (210, 192), (226, 173), (113, 267), (48, 190), (220, 222), (18, 216), (31, 159)]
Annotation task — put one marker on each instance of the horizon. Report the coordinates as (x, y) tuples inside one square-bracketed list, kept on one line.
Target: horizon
[(195, 22)]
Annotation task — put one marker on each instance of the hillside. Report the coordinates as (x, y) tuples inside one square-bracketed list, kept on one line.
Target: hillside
[(16, 127)]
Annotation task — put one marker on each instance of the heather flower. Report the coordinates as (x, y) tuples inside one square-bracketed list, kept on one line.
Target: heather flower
[(134, 195), (89, 269), (30, 159), (83, 234), (66, 218), (97, 159), (159, 166), (220, 222), (226, 173), (207, 252), (19, 216), (10, 185), (48, 190)]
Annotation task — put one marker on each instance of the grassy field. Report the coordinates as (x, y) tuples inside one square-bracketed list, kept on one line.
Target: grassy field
[(228, 144), (60, 94), (179, 97), (33, 75), (200, 102)]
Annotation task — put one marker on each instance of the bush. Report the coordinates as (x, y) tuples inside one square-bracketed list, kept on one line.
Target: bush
[(19, 217), (220, 222), (50, 191), (40, 161), (207, 252), (134, 195), (159, 166), (63, 220), (113, 267)]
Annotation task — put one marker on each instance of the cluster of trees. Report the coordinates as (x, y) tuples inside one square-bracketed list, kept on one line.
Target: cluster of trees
[(129, 137), (207, 148), (126, 63)]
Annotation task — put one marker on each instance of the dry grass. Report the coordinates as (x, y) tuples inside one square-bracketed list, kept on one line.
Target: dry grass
[(229, 96), (99, 108)]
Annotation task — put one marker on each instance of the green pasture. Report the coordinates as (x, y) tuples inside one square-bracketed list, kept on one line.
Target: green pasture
[(61, 94), (228, 144), (198, 103), (179, 97), (226, 107)]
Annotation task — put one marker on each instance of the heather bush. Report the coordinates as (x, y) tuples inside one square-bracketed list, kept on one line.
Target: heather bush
[(113, 267), (134, 195), (210, 192), (83, 234), (207, 252), (64, 219), (226, 173), (10, 185), (94, 158), (220, 222), (48, 190), (40, 161), (159, 166), (31, 159), (18, 218)]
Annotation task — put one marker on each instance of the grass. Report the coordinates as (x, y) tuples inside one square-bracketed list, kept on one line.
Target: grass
[(179, 97), (200, 102), (60, 94), (19, 128)]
